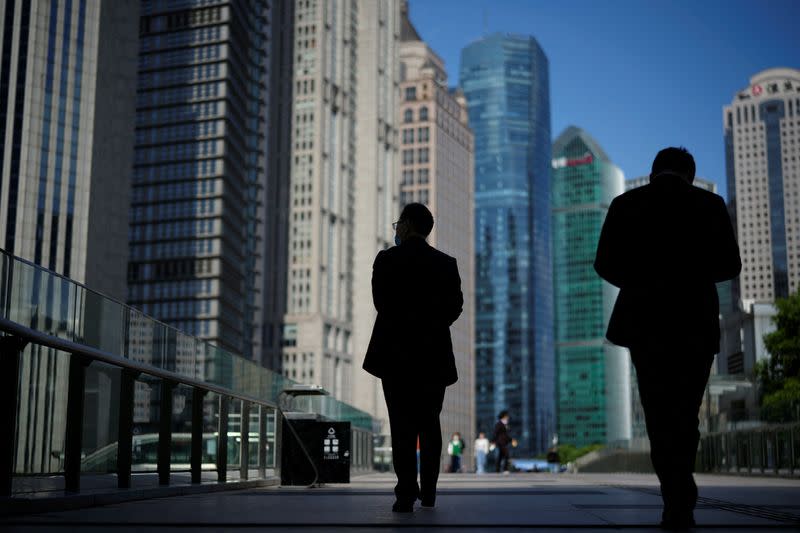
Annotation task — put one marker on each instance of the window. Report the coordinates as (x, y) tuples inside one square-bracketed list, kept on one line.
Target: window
[(423, 113), (422, 155), (423, 135), (408, 157), (423, 196), (408, 177), (408, 136), (411, 94), (408, 116), (423, 175)]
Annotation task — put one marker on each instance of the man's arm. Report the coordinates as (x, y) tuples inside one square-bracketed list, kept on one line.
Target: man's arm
[(727, 264), (379, 283), (609, 260), (454, 296)]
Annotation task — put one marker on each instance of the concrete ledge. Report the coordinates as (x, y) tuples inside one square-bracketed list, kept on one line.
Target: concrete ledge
[(63, 502)]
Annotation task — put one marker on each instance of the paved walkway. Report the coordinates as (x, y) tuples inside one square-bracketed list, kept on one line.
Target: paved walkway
[(582, 502)]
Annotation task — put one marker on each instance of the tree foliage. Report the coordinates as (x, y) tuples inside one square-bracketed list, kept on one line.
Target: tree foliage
[(779, 376)]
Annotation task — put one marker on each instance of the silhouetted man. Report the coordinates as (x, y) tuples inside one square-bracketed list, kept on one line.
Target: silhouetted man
[(417, 292), (502, 440), (665, 245)]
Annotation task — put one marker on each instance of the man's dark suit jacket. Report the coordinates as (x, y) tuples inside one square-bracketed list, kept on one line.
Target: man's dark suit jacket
[(417, 292), (665, 245)]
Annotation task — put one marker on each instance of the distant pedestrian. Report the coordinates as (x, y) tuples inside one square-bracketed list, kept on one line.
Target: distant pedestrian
[(455, 448), (553, 460), (503, 441), (665, 245), (481, 451)]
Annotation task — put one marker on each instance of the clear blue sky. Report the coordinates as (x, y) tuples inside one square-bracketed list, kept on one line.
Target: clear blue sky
[(638, 75)]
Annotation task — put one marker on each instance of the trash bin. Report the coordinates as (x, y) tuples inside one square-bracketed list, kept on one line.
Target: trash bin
[(328, 444)]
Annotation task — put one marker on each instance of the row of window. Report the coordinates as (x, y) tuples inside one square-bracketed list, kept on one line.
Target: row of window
[(177, 309), (181, 38), (180, 94), (171, 289), (170, 152), (196, 73), (191, 169), (408, 115), (178, 113), (420, 196), (175, 190), (423, 156), (423, 135), (423, 176), (181, 57), (191, 131), (165, 250), (179, 19), (173, 210), (171, 230), (171, 269)]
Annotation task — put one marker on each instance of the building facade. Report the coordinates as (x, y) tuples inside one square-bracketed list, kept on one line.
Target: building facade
[(762, 147), (200, 167), (505, 81), (67, 101), (594, 385), (437, 170), (341, 185), (66, 114)]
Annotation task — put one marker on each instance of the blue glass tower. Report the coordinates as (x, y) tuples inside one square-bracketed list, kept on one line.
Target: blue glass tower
[(505, 81)]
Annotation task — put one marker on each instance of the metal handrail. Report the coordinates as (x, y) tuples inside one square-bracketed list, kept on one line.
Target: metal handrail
[(43, 339)]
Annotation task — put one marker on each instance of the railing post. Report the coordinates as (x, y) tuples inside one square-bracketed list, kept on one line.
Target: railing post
[(197, 434), (10, 350), (262, 441), (127, 387), (222, 439), (165, 432), (244, 437), (749, 452), (791, 450), (74, 430), (776, 452)]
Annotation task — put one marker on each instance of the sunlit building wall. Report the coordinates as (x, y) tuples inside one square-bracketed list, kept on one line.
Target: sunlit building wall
[(762, 147), (437, 170)]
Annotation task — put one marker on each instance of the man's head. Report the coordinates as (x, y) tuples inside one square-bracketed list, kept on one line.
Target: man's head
[(503, 416), (415, 219), (676, 162)]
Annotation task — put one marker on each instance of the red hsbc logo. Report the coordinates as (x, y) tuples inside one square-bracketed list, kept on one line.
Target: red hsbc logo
[(757, 90)]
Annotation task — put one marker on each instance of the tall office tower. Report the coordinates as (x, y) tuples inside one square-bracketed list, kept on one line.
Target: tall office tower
[(200, 164), (341, 178), (67, 100), (505, 81), (66, 132), (761, 133), (375, 185), (594, 404), (437, 170)]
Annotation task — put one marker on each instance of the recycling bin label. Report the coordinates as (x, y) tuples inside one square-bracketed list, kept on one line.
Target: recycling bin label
[(330, 446)]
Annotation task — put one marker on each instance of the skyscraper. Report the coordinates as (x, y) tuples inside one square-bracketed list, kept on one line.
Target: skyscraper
[(66, 130), (437, 170), (67, 101), (505, 82), (763, 174), (342, 183), (200, 165), (594, 404), (703, 183)]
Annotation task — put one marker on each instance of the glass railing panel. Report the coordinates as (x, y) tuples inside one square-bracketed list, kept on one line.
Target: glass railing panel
[(42, 415), (99, 442)]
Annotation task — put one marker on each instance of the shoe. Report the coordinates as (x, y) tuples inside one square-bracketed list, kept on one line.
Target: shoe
[(403, 507), (427, 501), (673, 522)]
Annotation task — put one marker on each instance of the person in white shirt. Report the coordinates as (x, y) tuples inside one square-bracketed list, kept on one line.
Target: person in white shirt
[(481, 451)]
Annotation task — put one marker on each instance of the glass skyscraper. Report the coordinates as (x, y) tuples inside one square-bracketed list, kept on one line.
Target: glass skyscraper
[(200, 164), (593, 376), (505, 81)]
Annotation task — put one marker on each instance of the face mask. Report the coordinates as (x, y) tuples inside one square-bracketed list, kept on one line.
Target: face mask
[(397, 240)]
